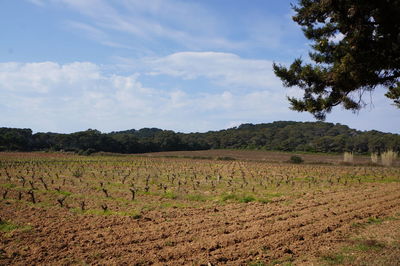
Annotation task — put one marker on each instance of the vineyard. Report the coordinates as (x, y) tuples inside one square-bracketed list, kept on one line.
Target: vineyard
[(157, 210)]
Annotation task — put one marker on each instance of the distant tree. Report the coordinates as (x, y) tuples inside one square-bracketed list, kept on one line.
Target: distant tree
[(356, 47), (15, 139), (281, 135)]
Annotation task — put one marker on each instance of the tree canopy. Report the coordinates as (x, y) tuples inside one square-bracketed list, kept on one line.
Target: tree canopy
[(356, 47), (280, 135)]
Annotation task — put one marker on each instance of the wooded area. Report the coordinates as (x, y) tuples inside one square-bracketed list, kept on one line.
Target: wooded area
[(281, 136)]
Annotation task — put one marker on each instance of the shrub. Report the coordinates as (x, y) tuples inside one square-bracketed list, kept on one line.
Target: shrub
[(226, 158), (196, 197), (78, 172), (296, 159), (226, 197), (86, 152), (247, 199), (374, 157), (348, 157), (388, 157), (170, 195)]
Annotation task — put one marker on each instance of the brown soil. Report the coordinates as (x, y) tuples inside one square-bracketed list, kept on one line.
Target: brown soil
[(376, 242), (267, 156), (233, 234)]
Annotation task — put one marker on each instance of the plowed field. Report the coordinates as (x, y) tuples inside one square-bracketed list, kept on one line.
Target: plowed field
[(170, 226)]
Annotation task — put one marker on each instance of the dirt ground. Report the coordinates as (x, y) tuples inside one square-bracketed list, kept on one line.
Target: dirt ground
[(280, 232), (266, 156)]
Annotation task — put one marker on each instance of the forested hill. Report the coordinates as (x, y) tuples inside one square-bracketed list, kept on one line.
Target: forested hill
[(281, 135)]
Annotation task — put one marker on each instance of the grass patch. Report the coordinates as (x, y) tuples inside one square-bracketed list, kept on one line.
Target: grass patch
[(56, 192), (370, 221), (247, 199), (170, 195), (116, 185), (169, 243), (374, 220), (229, 197), (365, 245), (8, 227), (264, 201), (334, 258), (285, 261), (197, 197), (274, 195), (348, 253), (238, 198), (357, 225), (8, 185), (256, 263), (267, 198)]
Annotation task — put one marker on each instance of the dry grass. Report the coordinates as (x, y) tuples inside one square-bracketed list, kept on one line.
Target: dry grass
[(388, 157), (348, 157), (374, 157)]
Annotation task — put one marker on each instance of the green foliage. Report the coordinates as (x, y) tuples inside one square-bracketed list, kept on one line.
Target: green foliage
[(374, 220), (64, 193), (78, 172), (247, 199), (265, 201), (8, 185), (238, 198), (356, 47), (227, 197), (226, 158), (197, 197), (170, 195), (334, 259), (296, 159), (394, 94), (280, 135), (6, 226), (256, 263), (87, 152), (367, 245)]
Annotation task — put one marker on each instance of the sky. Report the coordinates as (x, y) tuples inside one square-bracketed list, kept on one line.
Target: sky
[(183, 65)]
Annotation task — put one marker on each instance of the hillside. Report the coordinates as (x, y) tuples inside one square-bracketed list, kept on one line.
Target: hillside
[(280, 136)]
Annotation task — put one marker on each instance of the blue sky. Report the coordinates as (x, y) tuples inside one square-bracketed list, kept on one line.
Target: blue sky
[(188, 65)]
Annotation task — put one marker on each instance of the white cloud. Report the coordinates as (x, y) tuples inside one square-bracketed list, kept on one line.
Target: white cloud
[(37, 2), (45, 76), (69, 97), (224, 69), (187, 24), (95, 34), (48, 96)]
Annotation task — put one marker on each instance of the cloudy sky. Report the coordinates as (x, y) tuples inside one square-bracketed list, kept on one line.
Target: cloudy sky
[(185, 65)]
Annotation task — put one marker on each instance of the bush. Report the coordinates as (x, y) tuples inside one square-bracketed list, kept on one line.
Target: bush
[(247, 199), (86, 152), (226, 158), (348, 157), (296, 159), (374, 157), (388, 157)]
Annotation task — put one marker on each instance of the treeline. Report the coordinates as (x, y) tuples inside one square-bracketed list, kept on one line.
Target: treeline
[(282, 136)]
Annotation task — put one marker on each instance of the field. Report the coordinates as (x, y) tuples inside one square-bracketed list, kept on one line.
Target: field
[(197, 208)]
